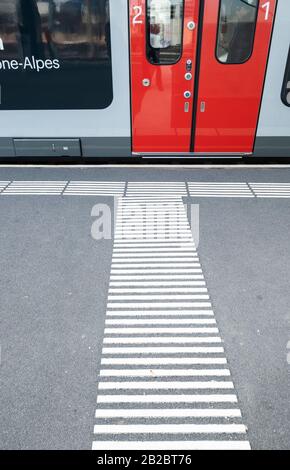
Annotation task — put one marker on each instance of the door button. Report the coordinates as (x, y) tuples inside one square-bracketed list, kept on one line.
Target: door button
[(191, 25), (188, 76), (187, 94), (188, 65), (146, 82)]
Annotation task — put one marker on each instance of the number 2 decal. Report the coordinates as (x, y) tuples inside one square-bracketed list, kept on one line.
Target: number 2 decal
[(266, 7), (138, 13)]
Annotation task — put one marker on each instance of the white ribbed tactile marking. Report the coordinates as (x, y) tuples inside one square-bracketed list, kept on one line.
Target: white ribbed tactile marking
[(44, 188), (155, 190), (271, 190), (95, 188), (145, 192), (219, 189), (3, 185), (164, 381)]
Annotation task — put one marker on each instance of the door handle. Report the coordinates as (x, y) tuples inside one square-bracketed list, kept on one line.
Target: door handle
[(202, 107)]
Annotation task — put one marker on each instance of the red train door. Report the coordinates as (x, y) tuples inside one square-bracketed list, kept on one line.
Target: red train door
[(235, 42), (163, 50)]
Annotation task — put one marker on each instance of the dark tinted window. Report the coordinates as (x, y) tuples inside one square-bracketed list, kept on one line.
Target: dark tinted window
[(56, 54), (286, 84), (164, 31), (236, 30)]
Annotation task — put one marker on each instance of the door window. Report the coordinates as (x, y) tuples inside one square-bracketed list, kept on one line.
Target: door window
[(236, 30), (55, 54), (286, 84), (164, 31)]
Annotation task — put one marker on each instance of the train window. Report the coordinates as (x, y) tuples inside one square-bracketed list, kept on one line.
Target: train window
[(55, 54), (236, 30), (285, 95), (164, 31)]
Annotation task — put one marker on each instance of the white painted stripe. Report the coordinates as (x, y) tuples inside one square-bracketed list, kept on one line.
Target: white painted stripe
[(168, 215), (163, 350), (164, 373), (174, 269), (151, 223), (174, 253), (171, 445), (96, 181), (175, 330), (154, 247), (159, 200), (158, 184), (156, 261), (161, 321), (157, 244), (162, 197), (169, 413), (132, 233), (155, 190), (160, 277), (139, 213), (42, 193), (165, 202), (144, 187), (167, 339), (99, 192), (159, 304), (156, 385), (144, 290), (168, 249), (161, 283), (163, 360), (148, 241), (222, 195), (149, 313), (169, 428), (158, 297), (204, 398), (220, 191)]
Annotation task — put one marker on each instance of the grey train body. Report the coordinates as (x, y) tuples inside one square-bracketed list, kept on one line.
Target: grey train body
[(103, 129)]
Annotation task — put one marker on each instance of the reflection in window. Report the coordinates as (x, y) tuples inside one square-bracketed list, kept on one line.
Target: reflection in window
[(164, 31), (236, 31), (285, 95), (71, 40), (56, 28)]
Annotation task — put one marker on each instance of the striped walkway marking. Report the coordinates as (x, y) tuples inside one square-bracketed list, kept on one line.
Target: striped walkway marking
[(271, 190), (145, 192), (3, 185), (164, 381), (95, 188), (44, 188), (155, 190), (216, 189)]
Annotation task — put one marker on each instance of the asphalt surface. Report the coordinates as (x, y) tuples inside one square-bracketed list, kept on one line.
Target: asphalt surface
[(53, 288)]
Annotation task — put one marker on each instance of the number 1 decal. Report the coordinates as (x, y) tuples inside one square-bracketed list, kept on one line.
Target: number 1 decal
[(266, 7), (138, 12)]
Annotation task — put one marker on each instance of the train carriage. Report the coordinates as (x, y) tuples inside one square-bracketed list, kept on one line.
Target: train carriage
[(94, 79)]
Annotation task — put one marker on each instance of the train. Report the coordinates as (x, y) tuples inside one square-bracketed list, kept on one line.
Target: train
[(87, 80)]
